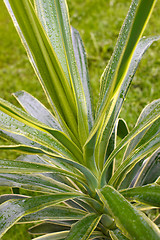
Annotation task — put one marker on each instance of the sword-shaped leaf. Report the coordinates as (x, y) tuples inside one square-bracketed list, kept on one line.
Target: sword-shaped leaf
[(117, 235), (136, 156), (44, 61), (35, 134), (116, 105), (153, 129), (6, 197), (115, 73), (81, 60), (55, 14), (56, 236), (27, 119), (149, 194), (13, 166), (128, 219), (62, 236), (11, 211), (149, 172), (150, 118), (37, 183), (55, 213), (36, 109), (84, 227), (48, 227)]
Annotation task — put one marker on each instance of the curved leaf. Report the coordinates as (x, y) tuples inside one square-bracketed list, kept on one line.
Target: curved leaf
[(115, 108), (150, 118), (45, 139), (44, 60), (149, 194), (26, 119), (36, 109), (132, 159), (6, 197), (122, 129), (152, 130), (12, 210), (37, 183), (81, 60), (144, 172), (55, 213), (13, 166), (48, 227), (84, 227), (63, 234), (115, 73), (137, 225), (117, 235), (149, 171), (57, 14)]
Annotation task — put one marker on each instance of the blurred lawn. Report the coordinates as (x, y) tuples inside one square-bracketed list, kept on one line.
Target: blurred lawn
[(98, 22)]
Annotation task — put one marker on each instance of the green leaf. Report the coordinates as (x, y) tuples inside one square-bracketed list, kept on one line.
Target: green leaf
[(36, 109), (22, 149), (7, 197), (45, 139), (143, 136), (13, 166), (140, 139), (27, 144), (44, 61), (56, 236), (148, 194), (149, 119), (37, 183), (133, 158), (115, 106), (48, 227), (90, 177), (63, 234), (137, 225), (55, 213), (81, 60), (11, 211), (114, 75), (57, 14), (122, 130), (28, 120), (117, 235), (84, 227), (149, 171)]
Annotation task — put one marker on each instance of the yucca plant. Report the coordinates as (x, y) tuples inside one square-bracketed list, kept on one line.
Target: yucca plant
[(85, 188)]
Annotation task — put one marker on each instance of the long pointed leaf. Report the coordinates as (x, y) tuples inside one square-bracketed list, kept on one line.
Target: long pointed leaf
[(37, 183), (36, 109), (55, 213), (10, 124), (137, 225), (150, 118), (115, 73), (116, 106), (81, 60), (38, 47), (27, 119), (83, 228), (131, 161), (149, 171), (11, 211), (57, 12), (13, 166), (149, 194)]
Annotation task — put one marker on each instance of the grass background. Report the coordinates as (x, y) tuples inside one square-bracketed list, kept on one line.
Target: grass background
[(98, 22)]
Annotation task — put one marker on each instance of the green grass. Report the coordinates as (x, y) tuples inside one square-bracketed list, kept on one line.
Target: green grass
[(98, 22)]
